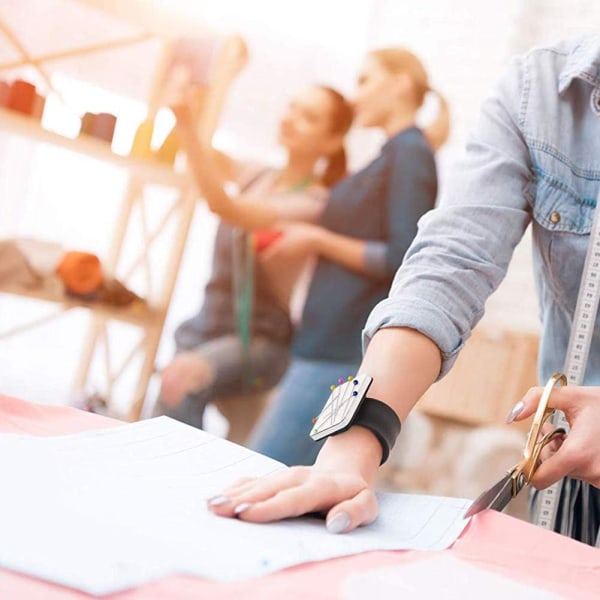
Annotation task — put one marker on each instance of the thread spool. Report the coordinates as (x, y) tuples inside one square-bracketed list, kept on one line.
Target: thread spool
[(101, 125), (22, 96), (38, 107), (141, 147), (4, 93), (87, 123), (168, 151)]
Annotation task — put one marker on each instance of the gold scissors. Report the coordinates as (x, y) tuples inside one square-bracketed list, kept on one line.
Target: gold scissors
[(501, 493)]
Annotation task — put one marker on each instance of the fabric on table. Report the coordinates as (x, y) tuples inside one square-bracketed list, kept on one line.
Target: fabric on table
[(492, 540)]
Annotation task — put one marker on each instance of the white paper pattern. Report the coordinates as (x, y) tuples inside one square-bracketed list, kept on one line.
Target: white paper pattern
[(106, 510)]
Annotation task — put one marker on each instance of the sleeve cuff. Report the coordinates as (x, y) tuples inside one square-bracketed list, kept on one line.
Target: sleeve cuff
[(423, 317), (375, 256)]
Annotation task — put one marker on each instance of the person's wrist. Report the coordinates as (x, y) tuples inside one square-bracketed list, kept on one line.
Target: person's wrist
[(356, 449)]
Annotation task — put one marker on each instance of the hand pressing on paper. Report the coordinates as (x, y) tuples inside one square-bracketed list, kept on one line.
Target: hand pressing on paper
[(578, 453), (339, 484)]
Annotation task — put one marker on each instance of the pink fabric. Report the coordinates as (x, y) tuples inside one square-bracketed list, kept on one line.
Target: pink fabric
[(492, 540)]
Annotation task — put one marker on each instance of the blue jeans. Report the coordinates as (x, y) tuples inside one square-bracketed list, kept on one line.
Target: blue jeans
[(233, 374), (283, 431)]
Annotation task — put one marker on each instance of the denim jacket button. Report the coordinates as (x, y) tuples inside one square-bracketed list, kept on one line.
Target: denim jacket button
[(555, 218)]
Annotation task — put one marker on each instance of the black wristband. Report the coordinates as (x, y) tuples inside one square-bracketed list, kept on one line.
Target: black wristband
[(379, 418), (349, 405)]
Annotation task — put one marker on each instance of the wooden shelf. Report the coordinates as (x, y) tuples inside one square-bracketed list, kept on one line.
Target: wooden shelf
[(142, 174), (134, 314), (150, 172)]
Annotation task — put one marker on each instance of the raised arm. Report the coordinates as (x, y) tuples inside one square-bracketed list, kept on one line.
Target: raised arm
[(212, 183), (197, 110)]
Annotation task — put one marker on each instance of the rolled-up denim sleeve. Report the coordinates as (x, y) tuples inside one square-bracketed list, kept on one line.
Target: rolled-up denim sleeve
[(463, 248)]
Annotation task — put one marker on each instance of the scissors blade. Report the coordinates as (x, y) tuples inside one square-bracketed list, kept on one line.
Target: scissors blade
[(496, 497)]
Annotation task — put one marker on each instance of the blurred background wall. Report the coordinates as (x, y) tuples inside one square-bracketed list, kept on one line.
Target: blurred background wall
[(465, 45)]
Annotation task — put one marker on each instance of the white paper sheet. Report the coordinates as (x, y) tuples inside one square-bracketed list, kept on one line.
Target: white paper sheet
[(441, 577), (107, 510)]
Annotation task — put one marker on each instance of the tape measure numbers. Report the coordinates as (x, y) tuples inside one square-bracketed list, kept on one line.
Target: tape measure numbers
[(578, 351)]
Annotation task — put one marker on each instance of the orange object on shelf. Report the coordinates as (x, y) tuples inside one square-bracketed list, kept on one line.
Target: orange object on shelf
[(80, 272), (101, 125), (22, 97), (4, 93), (169, 148), (39, 104), (143, 139)]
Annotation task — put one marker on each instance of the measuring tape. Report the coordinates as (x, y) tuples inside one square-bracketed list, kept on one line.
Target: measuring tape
[(577, 355)]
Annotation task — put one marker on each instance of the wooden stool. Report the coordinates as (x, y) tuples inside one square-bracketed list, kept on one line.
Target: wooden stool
[(242, 413)]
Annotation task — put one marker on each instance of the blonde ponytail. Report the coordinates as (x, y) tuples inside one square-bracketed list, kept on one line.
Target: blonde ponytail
[(400, 60), (437, 132)]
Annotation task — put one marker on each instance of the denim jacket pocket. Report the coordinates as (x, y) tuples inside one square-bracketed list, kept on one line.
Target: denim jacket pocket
[(562, 224), (558, 208)]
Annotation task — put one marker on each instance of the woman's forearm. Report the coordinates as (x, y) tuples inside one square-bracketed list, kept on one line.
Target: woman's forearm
[(403, 364), (344, 250), (367, 257), (204, 167)]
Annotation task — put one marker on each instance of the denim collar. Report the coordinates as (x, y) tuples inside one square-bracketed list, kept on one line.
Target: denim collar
[(582, 63)]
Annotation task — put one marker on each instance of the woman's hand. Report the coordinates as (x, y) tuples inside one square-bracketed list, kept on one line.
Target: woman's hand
[(297, 240), (578, 453), (339, 484), (233, 56), (346, 497)]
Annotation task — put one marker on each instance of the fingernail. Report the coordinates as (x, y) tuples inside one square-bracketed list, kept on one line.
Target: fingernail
[(240, 508), (517, 409), (218, 500), (338, 523)]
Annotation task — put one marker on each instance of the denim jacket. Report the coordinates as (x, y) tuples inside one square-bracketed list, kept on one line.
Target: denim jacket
[(533, 158)]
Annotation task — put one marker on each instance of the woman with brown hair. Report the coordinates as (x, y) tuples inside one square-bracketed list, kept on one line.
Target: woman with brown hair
[(238, 343), (362, 234)]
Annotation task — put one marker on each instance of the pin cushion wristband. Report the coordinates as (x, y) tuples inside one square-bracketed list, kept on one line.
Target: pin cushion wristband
[(348, 405)]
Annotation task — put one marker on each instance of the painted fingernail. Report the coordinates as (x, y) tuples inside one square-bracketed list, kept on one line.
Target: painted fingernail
[(338, 523), (517, 409), (240, 508), (218, 500)]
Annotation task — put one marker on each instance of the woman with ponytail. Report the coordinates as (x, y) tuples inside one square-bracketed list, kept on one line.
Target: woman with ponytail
[(363, 231), (367, 225)]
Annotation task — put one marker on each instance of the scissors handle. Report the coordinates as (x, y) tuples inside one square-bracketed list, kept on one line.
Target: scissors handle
[(535, 441), (535, 461)]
